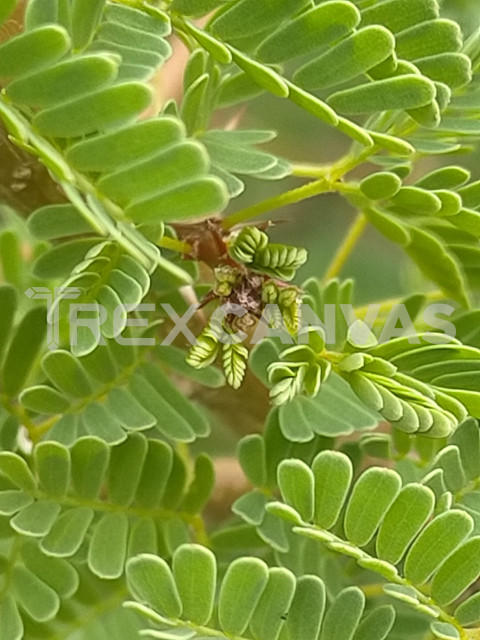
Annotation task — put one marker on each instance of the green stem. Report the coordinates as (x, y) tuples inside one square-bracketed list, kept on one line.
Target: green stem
[(428, 605), (271, 204), (17, 411), (312, 170), (348, 245), (174, 245)]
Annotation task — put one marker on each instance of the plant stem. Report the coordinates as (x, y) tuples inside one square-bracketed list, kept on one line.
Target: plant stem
[(430, 606), (345, 250), (289, 197), (174, 245), (311, 170)]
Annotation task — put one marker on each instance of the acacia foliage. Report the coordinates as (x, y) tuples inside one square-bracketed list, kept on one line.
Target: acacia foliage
[(102, 502)]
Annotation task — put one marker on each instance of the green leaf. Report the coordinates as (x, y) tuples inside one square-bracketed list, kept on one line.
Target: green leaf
[(192, 199), (242, 587), (86, 15), (151, 582), (388, 225), (435, 543), (194, 571), (36, 519), (445, 178), (445, 631), (60, 260), (273, 532), (448, 459), (248, 16), (274, 603), (372, 496), (293, 422), (457, 573), (321, 110), (107, 152), (418, 201), (93, 112), (468, 613), (296, 483), (377, 624), (66, 373), (306, 611), (309, 31), (130, 455), (138, 39), (344, 615), (23, 350), (13, 501), (451, 203), (56, 573), (169, 420), (70, 79), (202, 485), (52, 463), (128, 411), (101, 423), (437, 263), (367, 391), (403, 521), (176, 483), (471, 195), (429, 38), (10, 619), (353, 56), (381, 185), (44, 399), (89, 463), (333, 473), (217, 50), (398, 15), (453, 69), (105, 559), (280, 510), (395, 145), (152, 21), (226, 152), (194, 111), (181, 407), (263, 76), (467, 438), (68, 532), (234, 358), (402, 92), (251, 455), (156, 471), (251, 507), (143, 537), (34, 596), (17, 471), (30, 51)]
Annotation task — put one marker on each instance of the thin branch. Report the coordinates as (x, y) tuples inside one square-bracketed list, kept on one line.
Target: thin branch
[(277, 202), (427, 604), (345, 250)]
